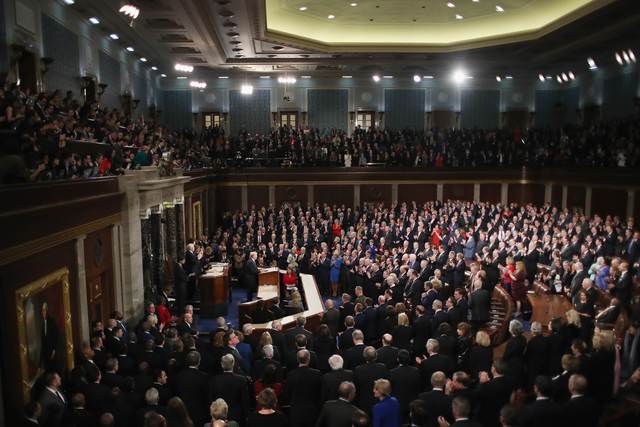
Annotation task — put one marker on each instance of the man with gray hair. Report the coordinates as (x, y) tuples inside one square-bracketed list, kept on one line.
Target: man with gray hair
[(354, 356), (437, 401), (536, 356), (151, 399), (332, 380), (365, 375), (261, 364), (340, 411), (233, 388), (388, 354), (250, 275), (433, 363), (302, 391)]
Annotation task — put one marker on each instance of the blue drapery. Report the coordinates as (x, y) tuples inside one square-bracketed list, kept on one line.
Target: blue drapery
[(250, 113), (62, 45), (480, 109), (328, 108), (404, 109)]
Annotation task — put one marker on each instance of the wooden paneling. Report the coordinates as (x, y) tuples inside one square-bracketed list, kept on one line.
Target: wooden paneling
[(490, 193), (376, 193), (334, 194), (291, 194), (417, 192), (258, 195), (457, 192), (608, 201), (98, 262), (576, 197), (556, 195), (526, 193), (16, 275), (229, 199)]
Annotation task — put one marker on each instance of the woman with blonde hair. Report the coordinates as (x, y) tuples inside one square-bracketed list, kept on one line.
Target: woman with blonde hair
[(603, 358), (402, 333), (480, 355), (518, 287)]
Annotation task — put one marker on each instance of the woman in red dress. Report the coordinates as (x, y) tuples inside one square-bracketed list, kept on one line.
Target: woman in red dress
[(336, 228), (436, 237), (518, 287), (290, 279)]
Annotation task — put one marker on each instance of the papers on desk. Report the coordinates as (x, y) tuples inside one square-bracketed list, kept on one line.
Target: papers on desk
[(268, 270)]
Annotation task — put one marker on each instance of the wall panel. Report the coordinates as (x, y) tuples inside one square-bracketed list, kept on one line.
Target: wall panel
[(526, 193), (619, 94), (62, 45), (556, 108), (480, 109), (576, 196), (176, 109), (417, 192), (110, 74), (457, 192), (328, 108), (258, 196), (609, 201), (404, 108), (376, 193), (229, 199), (291, 194), (250, 113), (333, 194), (490, 193)]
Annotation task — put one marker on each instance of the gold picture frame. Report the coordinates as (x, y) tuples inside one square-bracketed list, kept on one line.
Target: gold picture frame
[(42, 293)]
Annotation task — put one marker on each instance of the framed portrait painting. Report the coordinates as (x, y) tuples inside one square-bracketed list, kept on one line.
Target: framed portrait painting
[(45, 338)]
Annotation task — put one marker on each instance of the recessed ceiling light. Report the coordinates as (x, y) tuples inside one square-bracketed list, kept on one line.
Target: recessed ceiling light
[(347, 77), (130, 49), (353, 4), (559, 79), (376, 78), (113, 36), (143, 59), (181, 77), (499, 8), (618, 58), (387, 77), (305, 77), (265, 77), (69, 1), (94, 20), (571, 75), (427, 77), (458, 16), (592, 63), (508, 77), (449, 4), (476, 1), (417, 78), (163, 75), (565, 77), (632, 55), (498, 78), (154, 68), (625, 55), (541, 77), (223, 77), (302, 8), (331, 17)]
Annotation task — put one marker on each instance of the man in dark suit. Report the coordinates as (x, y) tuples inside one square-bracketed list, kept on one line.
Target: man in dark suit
[(292, 356), (622, 287), (192, 386), (543, 412), (536, 354), (49, 335), (331, 317), (180, 281), (302, 391), (439, 315), (52, 402), (346, 309), (576, 282), (388, 354), (291, 334), (151, 399), (364, 377), (331, 380), (493, 394), (406, 382), (339, 412), (110, 378), (354, 357), (98, 396), (186, 325), (233, 388), (421, 331), (250, 275), (193, 268), (438, 403), (580, 410), (480, 305), (433, 363), (345, 340), (461, 409)]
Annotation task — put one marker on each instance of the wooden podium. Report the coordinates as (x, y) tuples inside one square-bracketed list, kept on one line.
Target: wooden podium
[(268, 276), (214, 291)]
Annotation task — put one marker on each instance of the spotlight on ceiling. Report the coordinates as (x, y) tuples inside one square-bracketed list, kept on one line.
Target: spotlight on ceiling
[(459, 17), (197, 85), (163, 75), (632, 56), (417, 78), (376, 78), (286, 80), (130, 10), (625, 56), (114, 36), (69, 2), (498, 78), (94, 20), (183, 68), (571, 75), (559, 79), (246, 89), (592, 63), (509, 77), (302, 8), (449, 4), (458, 76), (565, 77), (541, 77), (619, 59), (130, 49), (499, 8), (143, 59), (154, 68)]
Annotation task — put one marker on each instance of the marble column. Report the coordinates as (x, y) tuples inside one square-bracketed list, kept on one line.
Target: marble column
[(180, 228), (157, 249), (170, 223), (147, 260)]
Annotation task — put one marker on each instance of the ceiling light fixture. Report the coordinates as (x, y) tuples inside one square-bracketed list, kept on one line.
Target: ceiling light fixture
[(498, 78), (130, 10), (286, 80), (541, 77), (113, 36), (626, 58), (163, 75), (592, 63), (632, 56), (184, 68), (305, 77), (347, 77), (331, 17), (458, 16), (559, 79), (246, 89), (571, 75), (509, 77), (449, 4), (154, 68), (130, 49), (302, 8), (143, 59), (458, 76), (387, 77), (565, 77), (265, 77), (223, 77), (181, 77), (417, 78), (376, 78), (198, 85), (427, 77), (69, 2), (619, 59), (94, 20), (353, 4), (499, 8)]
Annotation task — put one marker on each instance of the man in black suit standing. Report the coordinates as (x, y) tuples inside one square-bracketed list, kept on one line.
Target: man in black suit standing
[(339, 412), (32, 412), (580, 410), (52, 401), (354, 356), (543, 412), (346, 309), (291, 334), (192, 386), (438, 403), (433, 363), (493, 394), (250, 275), (345, 340), (180, 280), (621, 289), (233, 388), (331, 317), (301, 391), (364, 376), (480, 305), (331, 380), (461, 409), (406, 383), (49, 335), (388, 354), (193, 268)]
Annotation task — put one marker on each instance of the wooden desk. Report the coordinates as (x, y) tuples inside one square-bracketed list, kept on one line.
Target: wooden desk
[(268, 276), (214, 291), (546, 307)]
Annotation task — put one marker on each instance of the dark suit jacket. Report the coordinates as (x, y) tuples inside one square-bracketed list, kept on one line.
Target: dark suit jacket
[(491, 397), (331, 381), (345, 340), (388, 355), (332, 319), (480, 304), (438, 318), (406, 384), (353, 357), (290, 337), (581, 411), (192, 386), (302, 392), (53, 409), (250, 275), (363, 377), (542, 413), (437, 362), (336, 413), (234, 389), (97, 397), (438, 405)]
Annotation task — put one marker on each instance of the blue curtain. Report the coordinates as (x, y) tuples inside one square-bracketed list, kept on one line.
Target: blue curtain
[(176, 109), (404, 108), (110, 74), (480, 109), (618, 95), (4, 55), (328, 108), (250, 113), (62, 45), (555, 108)]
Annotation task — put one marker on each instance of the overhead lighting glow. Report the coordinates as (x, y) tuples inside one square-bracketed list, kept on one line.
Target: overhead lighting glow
[(302, 8), (331, 17), (69, 2), (571, 75), (417, 78), (632, 56), (198, 85), (286, 80), (154, 68), (305, 77), (592, 63), (181, 77), (559, 79), (449, 4), (565, 77), (130, 49), (130, 10), (246, 89), (163, 75), (427, 77), (626, 58), (387, 77), (458, 76), (458, 16), (499, 8), (265, 77), (509, 77), (541, 77), (498, 78), (376, 78), (184, 68), (619, 59), (143, 59), (113, 36), (353, 4), (94, 20), (347, 77), (223, 77)]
